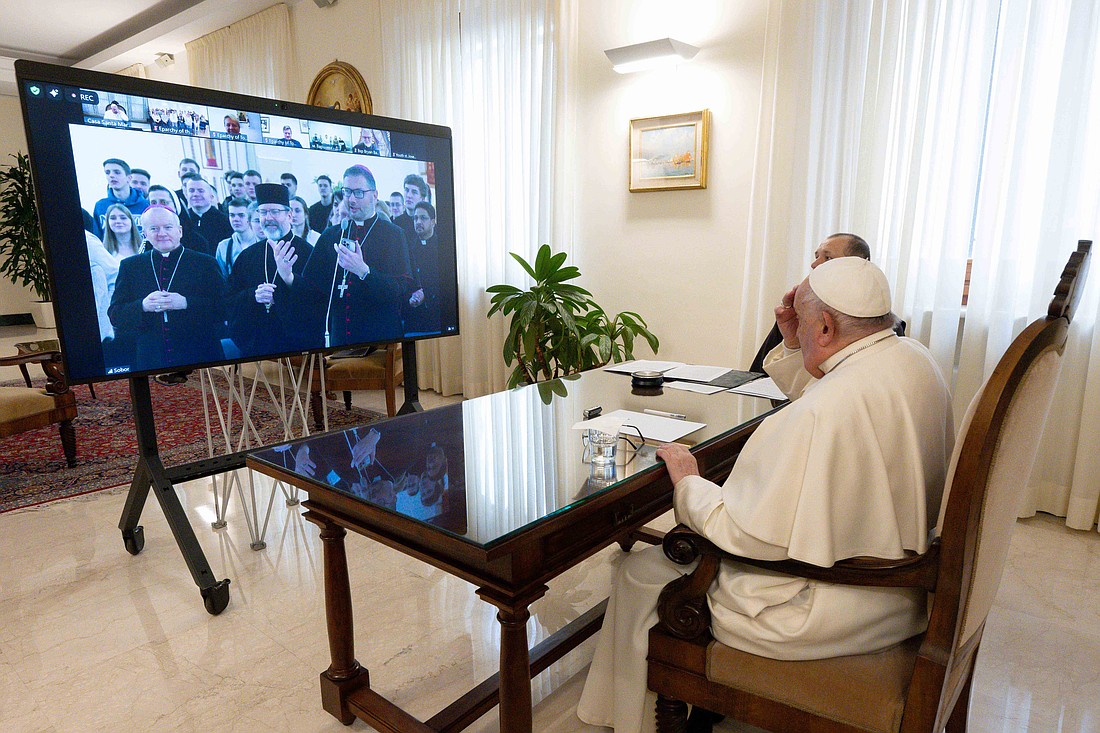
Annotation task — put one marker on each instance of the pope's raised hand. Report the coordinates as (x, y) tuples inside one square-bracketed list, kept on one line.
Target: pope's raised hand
[(787, 319), (303, 463), (363, 452)]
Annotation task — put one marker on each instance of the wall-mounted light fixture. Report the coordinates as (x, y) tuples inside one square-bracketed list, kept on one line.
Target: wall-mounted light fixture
[(666, 51)]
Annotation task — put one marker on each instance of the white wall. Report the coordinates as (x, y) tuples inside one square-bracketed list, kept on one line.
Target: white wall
[(346, 31), (13, 299), (673, 256), (177, 73)]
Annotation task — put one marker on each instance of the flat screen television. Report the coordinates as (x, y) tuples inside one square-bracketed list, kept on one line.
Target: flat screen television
[(198, 269)]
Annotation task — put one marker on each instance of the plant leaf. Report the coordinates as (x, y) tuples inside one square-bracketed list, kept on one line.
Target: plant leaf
[(542, 262), (523, 263)]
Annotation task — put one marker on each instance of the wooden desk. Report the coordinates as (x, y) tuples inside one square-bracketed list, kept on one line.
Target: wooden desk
[(518, 507)]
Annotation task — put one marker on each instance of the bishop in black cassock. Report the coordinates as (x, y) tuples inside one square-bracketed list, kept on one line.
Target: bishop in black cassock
[(255, 328), (169, 300), (266, 316), (361, 308), (359, 271)]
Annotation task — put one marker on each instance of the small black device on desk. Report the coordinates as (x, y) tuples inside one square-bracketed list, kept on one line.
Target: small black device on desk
[(646, 379)]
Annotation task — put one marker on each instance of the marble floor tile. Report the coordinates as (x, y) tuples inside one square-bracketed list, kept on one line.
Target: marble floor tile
[(1036, 675)]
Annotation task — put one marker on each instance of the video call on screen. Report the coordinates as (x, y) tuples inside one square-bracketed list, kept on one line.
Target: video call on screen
[(371, 265)]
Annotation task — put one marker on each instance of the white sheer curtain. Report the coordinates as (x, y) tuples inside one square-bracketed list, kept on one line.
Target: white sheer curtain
[(137, 70), (253, 56), (1039, 193), (497, 73), (931, 127), (863, 129)]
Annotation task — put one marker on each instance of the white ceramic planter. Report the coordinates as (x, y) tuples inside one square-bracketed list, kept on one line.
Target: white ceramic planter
[(42, 311)]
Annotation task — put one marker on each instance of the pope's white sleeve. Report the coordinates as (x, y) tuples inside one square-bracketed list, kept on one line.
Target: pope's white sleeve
[(785, 368), (698, 504)]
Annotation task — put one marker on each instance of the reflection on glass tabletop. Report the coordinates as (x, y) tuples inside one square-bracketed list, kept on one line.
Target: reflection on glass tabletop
[(488, 467)]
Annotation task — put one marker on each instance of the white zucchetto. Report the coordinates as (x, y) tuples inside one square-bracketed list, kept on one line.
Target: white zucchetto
[(853, 286)]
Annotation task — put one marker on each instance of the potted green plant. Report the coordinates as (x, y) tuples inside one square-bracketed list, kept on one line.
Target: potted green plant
[(556, 328), (22, 257)]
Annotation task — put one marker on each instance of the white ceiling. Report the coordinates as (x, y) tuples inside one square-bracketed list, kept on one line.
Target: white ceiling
[(108, 35)]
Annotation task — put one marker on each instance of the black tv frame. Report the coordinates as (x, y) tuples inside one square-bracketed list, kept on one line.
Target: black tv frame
[(63, 76), (151, 473)]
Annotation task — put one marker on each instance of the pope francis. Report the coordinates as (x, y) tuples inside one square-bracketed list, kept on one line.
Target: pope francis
[(854, 466)]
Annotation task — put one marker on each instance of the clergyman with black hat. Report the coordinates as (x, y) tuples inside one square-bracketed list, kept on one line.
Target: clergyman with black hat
[(266, 314), (854, 466)]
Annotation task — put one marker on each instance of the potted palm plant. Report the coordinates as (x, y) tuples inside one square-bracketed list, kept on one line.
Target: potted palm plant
[(22, 257), (556, 328)]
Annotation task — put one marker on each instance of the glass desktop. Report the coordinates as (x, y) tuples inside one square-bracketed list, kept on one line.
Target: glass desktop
[(488, 468)]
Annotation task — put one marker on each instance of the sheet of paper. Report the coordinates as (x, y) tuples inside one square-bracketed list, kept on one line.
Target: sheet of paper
[(655, 427), (609, 423), (696, 373), (642, 365), (763, 387), (693, 387)]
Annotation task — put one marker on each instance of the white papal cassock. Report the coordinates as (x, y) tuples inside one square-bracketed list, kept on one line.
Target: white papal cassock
[(785, 368), (853, 467)]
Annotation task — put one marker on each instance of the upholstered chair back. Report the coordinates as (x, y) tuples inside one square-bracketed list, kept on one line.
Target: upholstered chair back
[(997, 444), (1013, 455)]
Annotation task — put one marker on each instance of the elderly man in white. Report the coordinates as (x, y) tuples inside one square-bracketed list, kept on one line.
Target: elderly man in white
[(853, 467)]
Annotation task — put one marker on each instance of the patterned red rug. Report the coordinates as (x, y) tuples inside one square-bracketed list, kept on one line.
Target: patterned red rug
[(32, 465)]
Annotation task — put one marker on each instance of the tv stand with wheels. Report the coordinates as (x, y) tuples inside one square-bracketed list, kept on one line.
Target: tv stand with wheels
[(152, 473), (412, 388)]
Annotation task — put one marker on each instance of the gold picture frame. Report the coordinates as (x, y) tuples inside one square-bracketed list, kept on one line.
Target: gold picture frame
[(340, 86), (669, 153)]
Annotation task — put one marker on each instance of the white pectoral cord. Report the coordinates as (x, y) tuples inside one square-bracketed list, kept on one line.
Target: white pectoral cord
[(170, 279)]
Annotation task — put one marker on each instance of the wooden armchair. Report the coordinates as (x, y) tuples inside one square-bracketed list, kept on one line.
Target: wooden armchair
[(381, 369), (923, 684), (27, 408)]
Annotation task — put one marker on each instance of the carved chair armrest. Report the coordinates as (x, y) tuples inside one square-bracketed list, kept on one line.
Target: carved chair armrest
[(56, 382), (682, 607), (35, 358)]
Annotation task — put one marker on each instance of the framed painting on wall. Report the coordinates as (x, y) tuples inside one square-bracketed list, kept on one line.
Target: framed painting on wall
[(340, 86), (670, 152)]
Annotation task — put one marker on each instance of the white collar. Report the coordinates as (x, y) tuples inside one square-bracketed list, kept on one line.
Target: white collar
[(856, 346)]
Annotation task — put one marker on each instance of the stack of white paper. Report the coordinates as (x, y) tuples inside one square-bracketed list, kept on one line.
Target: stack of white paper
[(763, 387), (643, 365), (696, 373), (652, 427)]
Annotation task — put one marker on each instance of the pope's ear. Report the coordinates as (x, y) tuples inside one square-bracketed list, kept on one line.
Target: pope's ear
[(826, 332)]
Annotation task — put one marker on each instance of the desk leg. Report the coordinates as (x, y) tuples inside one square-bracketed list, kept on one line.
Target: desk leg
[(515, 658), (344, 674), (515, 670)]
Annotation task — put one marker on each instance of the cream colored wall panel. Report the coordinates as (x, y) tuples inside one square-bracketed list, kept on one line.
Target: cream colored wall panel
[(674, 256)]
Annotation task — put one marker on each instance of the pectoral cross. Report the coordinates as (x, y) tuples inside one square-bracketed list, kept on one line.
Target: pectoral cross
[(343, 288)]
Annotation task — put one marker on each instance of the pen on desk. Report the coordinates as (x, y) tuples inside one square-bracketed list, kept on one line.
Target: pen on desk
[(662, 413)]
